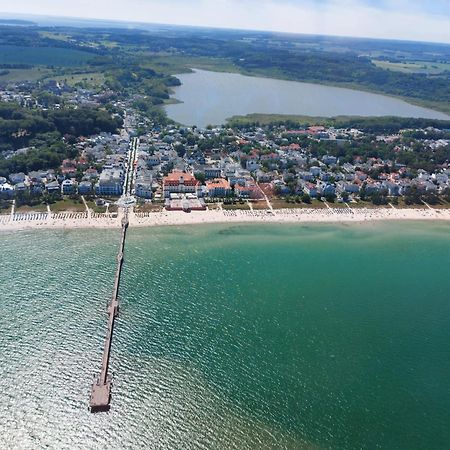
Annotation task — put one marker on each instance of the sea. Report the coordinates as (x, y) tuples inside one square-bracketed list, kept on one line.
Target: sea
[(229, 337)]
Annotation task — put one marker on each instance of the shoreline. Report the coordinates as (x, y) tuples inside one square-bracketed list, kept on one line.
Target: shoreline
[(69, 221), (418, 102)]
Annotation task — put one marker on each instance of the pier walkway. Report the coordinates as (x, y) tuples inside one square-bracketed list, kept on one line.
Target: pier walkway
[(101, 388)]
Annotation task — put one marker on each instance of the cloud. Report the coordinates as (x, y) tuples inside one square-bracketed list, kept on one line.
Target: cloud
[(390, 19)]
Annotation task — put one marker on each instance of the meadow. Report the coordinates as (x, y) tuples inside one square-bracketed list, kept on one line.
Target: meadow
[(43, 56)]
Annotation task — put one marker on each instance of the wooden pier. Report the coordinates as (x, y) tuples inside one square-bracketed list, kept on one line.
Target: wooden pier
[(101, 389)]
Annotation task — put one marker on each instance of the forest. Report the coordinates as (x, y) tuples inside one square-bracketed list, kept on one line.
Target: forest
[(42, 132)]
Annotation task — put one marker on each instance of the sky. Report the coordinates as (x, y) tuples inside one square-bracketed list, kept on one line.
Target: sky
[(420, 20)]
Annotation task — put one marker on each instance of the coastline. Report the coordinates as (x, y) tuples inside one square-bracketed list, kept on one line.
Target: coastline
[(179, 218)]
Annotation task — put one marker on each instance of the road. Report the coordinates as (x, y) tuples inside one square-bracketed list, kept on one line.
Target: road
[(127, 195)]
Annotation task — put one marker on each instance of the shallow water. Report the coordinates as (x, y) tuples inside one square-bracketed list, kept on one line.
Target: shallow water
[(229, 337)]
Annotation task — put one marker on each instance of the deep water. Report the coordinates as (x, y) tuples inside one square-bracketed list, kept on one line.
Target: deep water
[(229, 337)]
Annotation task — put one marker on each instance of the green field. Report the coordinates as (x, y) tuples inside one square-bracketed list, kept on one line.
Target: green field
[(182, 64), (55, 35), (393, 123), (47, 56), (425, 67), (265, 119), (33, 74), (91, 79)]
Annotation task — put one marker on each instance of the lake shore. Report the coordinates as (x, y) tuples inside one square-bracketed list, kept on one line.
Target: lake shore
[(219, 65), (179, 218), (207, 97)]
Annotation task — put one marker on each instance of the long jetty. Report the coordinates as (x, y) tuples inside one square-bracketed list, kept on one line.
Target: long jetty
[(101, 389)]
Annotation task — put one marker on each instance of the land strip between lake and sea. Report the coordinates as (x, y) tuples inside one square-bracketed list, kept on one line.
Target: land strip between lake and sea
[(70, 220)]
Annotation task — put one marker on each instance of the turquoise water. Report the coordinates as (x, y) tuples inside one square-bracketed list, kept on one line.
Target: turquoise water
[(212, 97), (229, 337)]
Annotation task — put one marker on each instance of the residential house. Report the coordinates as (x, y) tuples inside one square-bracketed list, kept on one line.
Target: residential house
[(53, 187), (17, 177), (68, 187), (219, 187), (6, 190), (85, 188), (143, 184), (212, 172)]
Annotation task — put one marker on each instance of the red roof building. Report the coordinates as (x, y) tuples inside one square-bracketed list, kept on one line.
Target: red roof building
[(180, 183), (219, 187)]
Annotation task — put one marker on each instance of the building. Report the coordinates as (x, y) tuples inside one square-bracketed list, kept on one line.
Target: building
[(180, 183), (110, 183), (17, 177), (185, 203), (251, 165), (212, 172), (143, 184), (311, 189), (90, 174), (154, 160), (219, 187), (6, 190), (68, 187), (68, 168), (239, 176), (53, 187), (249, 190), (85, 188)]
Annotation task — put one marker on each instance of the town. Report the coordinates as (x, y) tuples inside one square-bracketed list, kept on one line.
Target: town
[(244, 166)]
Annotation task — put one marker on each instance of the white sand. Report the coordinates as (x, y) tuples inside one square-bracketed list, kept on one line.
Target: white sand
[(165, 218)]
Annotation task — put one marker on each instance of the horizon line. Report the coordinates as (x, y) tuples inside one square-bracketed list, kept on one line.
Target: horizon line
[(206, 27)]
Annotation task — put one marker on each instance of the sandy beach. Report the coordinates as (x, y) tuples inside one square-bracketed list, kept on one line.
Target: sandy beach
[(70, 220)]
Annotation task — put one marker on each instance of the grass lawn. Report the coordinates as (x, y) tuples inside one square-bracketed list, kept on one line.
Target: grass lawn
[(68, 205), (362, 204), (279, 203), (402, 204), (99, 209), (213, 206), (337, 205), (237, 206), (90, 203), (6, 210), (148, 207), (317, 204), (260, 205), (442, 205), (26, 208)]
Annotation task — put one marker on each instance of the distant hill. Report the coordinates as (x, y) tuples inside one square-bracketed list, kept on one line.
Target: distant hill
[(17, 22)]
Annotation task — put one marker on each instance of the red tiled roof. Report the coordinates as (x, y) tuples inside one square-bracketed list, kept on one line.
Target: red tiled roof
[(218, 183), (176, 178)]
